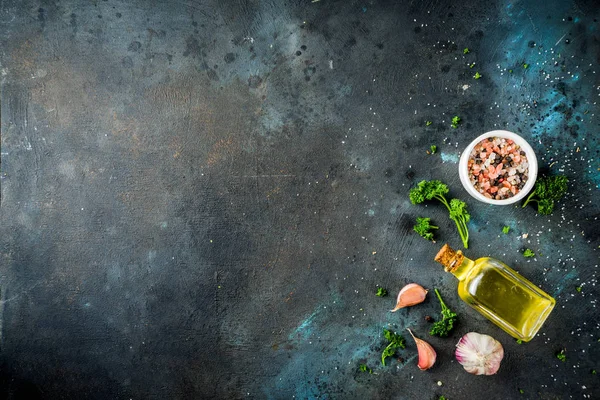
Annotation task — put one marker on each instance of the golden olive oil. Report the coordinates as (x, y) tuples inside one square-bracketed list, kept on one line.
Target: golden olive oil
[(499, 293)]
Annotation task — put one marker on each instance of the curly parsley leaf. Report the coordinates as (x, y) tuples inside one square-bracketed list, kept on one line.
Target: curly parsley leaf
[(442, 328), (455, 121), (395, 341), (423, 228), (364, 368), (434, 189), (546, 191), (528, 253)]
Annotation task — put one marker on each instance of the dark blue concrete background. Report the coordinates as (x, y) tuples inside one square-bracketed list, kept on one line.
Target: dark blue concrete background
[(199, 198)]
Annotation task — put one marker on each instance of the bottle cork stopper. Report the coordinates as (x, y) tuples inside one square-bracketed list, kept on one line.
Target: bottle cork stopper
[(449, 258)]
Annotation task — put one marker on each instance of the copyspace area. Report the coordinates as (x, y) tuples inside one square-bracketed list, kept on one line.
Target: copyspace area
[(199, 199)]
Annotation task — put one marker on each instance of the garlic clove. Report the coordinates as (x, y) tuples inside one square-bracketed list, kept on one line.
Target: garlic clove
[(479, 354), (427, 354), (410, 295)]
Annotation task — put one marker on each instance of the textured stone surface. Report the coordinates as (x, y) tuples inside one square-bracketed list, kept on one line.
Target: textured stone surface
[(199, 199)]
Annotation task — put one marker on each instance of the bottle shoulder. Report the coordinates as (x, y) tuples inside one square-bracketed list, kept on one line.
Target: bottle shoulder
[(480, 267), (489, 262)]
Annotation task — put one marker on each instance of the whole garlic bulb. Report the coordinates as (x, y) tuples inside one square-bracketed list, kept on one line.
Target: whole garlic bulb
[(479, 354)]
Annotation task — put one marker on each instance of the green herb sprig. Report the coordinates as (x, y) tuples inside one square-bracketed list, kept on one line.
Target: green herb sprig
[(434, 189), (528, 253), (364, 368), (396, 341), (423, 228), (442, 328), (381, 292), (546, 191), (455, 121)]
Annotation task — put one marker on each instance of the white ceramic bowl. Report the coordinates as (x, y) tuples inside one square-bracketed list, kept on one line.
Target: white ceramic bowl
[(463, 170)]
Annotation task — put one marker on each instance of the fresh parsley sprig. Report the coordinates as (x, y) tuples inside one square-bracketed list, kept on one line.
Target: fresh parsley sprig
[(434, 189), (546, 191), (528, 253), (423, 228), (442, 328), (396, 341), (455, 121), (365, 368)]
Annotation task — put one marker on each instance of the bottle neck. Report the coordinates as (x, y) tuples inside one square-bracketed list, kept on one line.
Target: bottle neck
[(461, 271), (454, 262)]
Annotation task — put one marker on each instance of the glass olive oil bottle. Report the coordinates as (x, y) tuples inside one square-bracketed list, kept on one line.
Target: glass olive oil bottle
[(499, 293)]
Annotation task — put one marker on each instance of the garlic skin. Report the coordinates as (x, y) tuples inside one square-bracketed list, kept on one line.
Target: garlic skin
[(427, 354), (479, 354), (410, 295)]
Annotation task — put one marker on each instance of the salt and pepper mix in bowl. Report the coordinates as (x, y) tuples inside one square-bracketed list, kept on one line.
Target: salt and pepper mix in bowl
[(498, 167)]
